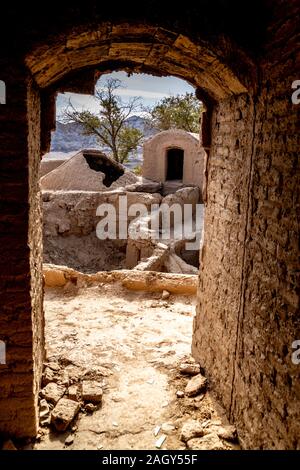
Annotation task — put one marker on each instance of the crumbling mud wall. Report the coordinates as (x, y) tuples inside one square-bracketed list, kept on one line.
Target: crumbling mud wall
[(248, 311), (70, 222)]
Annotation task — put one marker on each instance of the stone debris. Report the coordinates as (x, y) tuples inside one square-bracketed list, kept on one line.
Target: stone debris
[(44, 413), (91, 391), (180, 394), (53, 392), (73, 393), (90, 408), (167, 428), (9, 445), (189, 369), (191, 429), (196, 385), (53, 366), (64, 413), (209, 441), (165, 295), (48, 376), (160, 441), (228, 433), (69, 440)]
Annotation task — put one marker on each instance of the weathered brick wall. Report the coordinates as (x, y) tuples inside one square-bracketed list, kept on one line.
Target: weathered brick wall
[(248, 312), (20, 286), (267, 384), (219, 297)]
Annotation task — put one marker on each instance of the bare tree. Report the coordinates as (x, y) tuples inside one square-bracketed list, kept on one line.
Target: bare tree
[(109, 124)]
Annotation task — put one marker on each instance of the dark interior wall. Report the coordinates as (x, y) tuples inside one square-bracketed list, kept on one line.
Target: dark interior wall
[(20, 255)]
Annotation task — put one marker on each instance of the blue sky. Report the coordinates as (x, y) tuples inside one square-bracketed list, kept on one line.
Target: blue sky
[(151, 89)]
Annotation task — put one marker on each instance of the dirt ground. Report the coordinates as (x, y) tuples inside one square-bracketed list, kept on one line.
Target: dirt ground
[(134, 343)]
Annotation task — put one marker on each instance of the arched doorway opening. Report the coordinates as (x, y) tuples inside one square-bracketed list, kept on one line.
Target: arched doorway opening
[(78, 65), (175, 159)]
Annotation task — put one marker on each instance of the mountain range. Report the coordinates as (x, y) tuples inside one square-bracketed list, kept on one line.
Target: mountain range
[(69, 137)]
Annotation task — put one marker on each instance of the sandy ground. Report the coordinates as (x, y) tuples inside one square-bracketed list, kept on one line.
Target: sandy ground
[(141, 340)]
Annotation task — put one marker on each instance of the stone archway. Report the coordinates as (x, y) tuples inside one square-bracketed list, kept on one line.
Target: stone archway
[(75, 61)]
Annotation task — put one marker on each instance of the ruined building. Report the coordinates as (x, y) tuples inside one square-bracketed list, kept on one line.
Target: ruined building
[(243, 59), (175, 158)]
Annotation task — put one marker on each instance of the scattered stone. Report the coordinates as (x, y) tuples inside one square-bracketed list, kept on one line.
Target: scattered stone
[(44, 413), (53, 366), (165, 295), (160, 441), (48, 376), (74, 428), (90, 408), (196, 385), (189, 369), (69, 440), (92, 391), (207, 442), (228, 433), (73, 393), (115, 424), (64, 413), (180, 394), (167, 428), (9, 445), (190, 429), (53, 392)]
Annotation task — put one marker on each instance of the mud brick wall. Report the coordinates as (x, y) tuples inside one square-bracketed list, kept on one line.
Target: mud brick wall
[(266, 387), (20, 285), (248, 312), (221, 258)]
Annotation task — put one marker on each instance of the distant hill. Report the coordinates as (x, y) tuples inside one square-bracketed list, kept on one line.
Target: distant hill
[(69, 137)]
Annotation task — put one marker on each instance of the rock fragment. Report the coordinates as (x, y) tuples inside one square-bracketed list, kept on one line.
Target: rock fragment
[(196, 385), (191, 429), (44, 413), (64, 413), (69, 440), (165, 295), (208, 442), (189, 369), (53, 392), (91, 391), (228, 433)]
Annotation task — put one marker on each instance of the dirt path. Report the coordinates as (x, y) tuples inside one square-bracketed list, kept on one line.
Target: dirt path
[(140, 340)]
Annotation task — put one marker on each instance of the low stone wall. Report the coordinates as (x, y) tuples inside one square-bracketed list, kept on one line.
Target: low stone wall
[(150, 281)]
